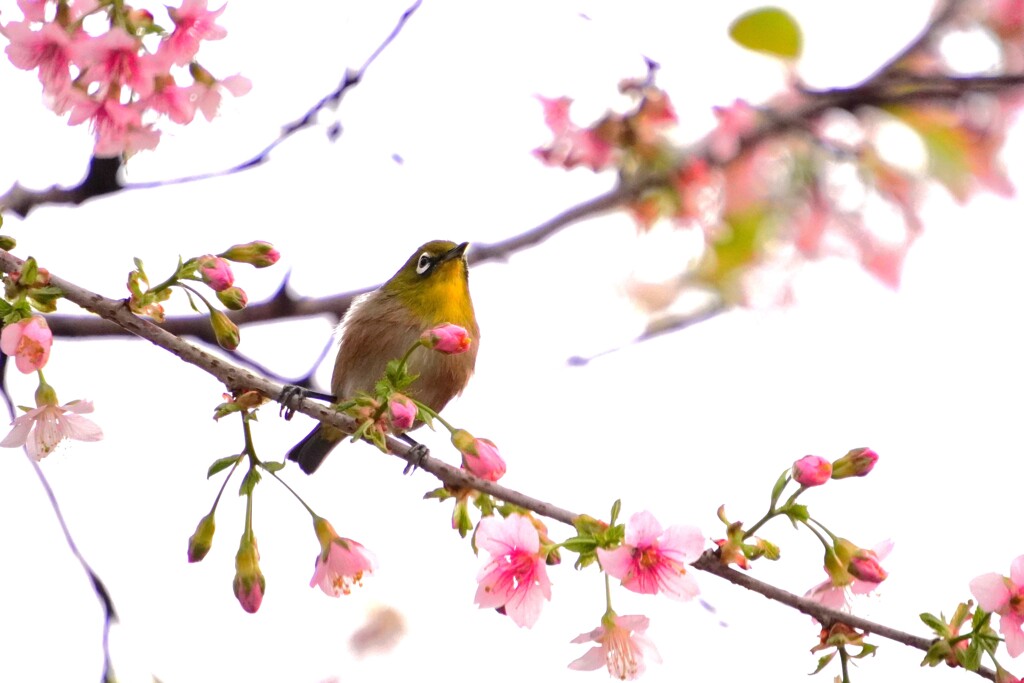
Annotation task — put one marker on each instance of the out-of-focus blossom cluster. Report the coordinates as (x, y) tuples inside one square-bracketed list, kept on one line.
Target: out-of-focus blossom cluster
[(112, 66)]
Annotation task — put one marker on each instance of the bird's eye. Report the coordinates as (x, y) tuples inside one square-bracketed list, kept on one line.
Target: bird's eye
[(424, 264)]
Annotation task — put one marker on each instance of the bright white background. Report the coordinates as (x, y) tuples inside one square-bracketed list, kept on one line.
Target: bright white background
[(928, 376)]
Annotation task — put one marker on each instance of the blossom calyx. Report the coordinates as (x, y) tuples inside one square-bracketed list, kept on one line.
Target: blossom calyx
[(224, 330), (856, 463), (480, 457), (200, 542), (233, 298), (259, 254)]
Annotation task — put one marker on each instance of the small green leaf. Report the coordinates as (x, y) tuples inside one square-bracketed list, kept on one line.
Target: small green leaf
[(936, 653), (579, 544), (779, 485), (797, 513), (935, 624), (272, 466), (252, 477), (616, 508), (221, 464), (970, 658), (770, 30), (823, 662)]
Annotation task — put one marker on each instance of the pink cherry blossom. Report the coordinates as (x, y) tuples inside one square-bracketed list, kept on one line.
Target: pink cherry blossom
[(483, 460), (835, 592), (48, 49), (172, 99), (447, 338), (113, 58), (516, 578), (812, 470), (652, 560), (402, 412), (207, 96), (1005, 596), (621, 646), (341, 565), (28, 341), (41, 429), (573, 146), (193, 23)]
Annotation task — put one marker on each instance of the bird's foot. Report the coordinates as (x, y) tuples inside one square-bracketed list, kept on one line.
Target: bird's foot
[(415, 455), (290, 396)]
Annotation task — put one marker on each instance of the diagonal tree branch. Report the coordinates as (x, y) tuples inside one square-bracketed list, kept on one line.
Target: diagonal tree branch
[(237, 379)]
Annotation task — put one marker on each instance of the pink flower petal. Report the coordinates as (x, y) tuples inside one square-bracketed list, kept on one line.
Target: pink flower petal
[(991, 592)]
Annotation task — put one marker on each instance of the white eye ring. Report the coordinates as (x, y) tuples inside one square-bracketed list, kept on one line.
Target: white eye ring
[(424, 264)]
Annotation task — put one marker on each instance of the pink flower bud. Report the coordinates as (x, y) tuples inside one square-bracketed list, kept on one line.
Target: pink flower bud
[(259, 254), (233, 298), (200, 542), (249, 583), (483, 460), (447, 338), (865, 567), (856, 463), (216, 272), (812, 470), (29, 341), (402, 412)]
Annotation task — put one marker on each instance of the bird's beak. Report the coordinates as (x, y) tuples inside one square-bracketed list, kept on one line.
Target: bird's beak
[(455, 253)]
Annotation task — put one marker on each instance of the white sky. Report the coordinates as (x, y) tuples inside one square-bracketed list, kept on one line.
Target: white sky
[(928, 376)]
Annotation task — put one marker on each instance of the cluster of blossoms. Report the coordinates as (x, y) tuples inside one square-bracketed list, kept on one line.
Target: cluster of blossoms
[(27, 339), (111, 65)]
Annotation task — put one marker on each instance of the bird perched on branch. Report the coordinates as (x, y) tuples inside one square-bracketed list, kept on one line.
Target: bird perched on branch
[(430, 289)]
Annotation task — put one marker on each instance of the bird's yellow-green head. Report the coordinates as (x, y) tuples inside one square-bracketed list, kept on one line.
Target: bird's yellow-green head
[(434, 284)]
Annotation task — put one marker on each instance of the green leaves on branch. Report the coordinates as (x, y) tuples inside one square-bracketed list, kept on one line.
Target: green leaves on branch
[(768, 30)]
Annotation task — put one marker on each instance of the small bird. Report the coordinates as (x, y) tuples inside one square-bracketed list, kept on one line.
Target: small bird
[(430, 289)]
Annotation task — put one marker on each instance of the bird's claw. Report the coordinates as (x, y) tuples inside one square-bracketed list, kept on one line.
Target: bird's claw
[(415, 457), (290, 395)]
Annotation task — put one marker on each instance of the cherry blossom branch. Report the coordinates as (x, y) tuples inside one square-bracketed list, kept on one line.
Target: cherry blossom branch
[(238, 379), (709, 562), (103, 174)]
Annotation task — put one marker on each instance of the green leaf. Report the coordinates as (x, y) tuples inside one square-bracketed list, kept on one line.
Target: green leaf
[(823, 662), (579, 544), (221, 464), (769, 30), (797, 513), (936, 653), (935, 624), (272, 466), (252, 477), (970, 658), (779, 485), (616, 508)]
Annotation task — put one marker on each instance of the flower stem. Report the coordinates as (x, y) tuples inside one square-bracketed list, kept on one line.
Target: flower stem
[(292, 491)]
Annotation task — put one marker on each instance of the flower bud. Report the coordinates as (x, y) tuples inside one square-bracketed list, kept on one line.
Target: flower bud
[(402, 412), (865, 567), (481, 458), (200, 542), (812, 470), (215, 272), (259, 254), (856, 463), (7, 242), (447, 338), (224, 330), (233, 298), (28, 341), (249, 583)]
